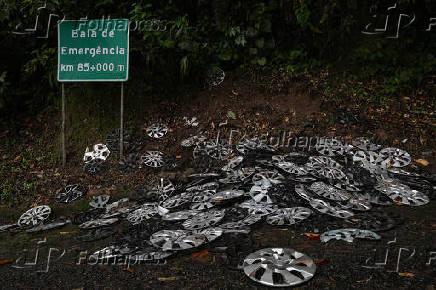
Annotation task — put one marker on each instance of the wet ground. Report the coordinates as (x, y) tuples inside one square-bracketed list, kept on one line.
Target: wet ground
[(405, 258)]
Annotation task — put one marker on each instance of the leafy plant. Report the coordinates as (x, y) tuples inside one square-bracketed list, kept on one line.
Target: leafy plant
[(231, 115)]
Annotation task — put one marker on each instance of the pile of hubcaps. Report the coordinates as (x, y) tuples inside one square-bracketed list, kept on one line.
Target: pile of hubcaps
[(254, 185)]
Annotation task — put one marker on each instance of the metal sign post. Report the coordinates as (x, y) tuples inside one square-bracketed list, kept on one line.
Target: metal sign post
[(64, 152), (122, 122), (93, 51)]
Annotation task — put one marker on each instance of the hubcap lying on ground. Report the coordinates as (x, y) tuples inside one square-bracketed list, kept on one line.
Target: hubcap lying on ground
[(279, 267)]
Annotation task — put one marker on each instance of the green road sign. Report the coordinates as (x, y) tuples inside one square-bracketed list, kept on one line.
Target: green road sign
[(93, 50)]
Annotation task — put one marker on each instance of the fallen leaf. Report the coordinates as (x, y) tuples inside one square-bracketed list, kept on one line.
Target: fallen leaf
[(365, 280), (131, 271), (397, 202), (169, 278), (304, 246), (324, 262), (18, 158), (422, 140), (423, 162), (312, 237), (406, 274), (4, 262), (202, 256)]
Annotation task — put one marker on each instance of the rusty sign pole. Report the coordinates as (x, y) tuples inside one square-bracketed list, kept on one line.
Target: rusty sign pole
[(122, 122)]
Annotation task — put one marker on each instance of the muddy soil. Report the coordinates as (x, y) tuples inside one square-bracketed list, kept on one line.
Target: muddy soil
[(300, 112)]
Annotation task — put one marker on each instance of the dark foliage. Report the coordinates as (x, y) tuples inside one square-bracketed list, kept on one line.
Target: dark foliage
[(176, 42)]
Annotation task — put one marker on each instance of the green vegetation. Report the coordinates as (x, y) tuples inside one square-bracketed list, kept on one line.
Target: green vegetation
[(296, 35), (273, 43)]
